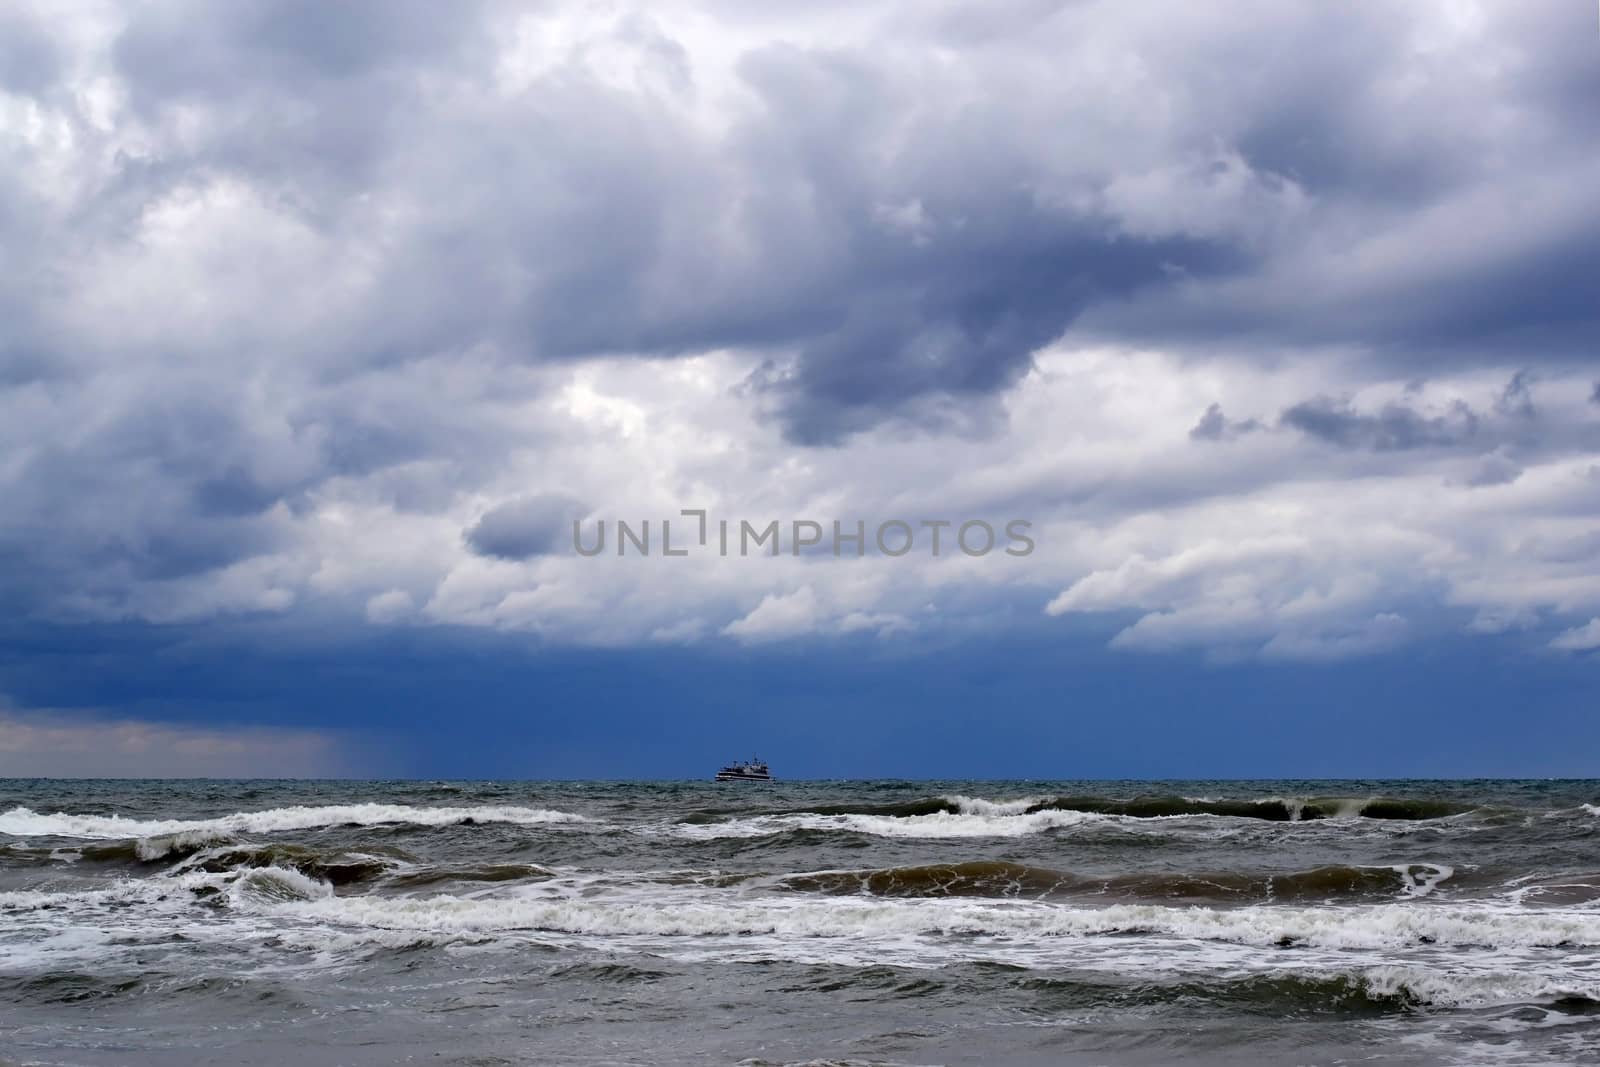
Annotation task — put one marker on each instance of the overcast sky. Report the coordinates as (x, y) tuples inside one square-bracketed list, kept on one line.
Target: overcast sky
[(320, 324)]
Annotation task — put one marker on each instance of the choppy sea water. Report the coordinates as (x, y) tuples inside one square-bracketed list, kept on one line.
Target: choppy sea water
[(841, 922)]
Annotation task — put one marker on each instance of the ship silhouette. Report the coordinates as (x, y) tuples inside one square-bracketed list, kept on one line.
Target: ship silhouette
[(752, 770)]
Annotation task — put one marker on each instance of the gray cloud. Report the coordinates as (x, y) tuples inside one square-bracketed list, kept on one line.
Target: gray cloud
[(1494, 468), (1505, 433), (293, 259), (1516, 399), (881, 278), (525, 527), (30, 61), (1412, 244), (1215, 426), (894, 230), (185, 50), (1395, 427)]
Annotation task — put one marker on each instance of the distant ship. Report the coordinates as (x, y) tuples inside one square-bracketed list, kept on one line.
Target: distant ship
[(753, 771)]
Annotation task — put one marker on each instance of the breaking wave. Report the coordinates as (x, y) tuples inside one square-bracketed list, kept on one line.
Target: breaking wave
[(277, 885), (336, 867), (964, 816), (1382, 988), (933, 824), (24, 822), (1183, 914), (1001, 879), (1272, 809), (945, 805), (1377, 927)]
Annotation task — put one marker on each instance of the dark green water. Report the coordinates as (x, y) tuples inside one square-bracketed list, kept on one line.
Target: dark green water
[(844, 922)]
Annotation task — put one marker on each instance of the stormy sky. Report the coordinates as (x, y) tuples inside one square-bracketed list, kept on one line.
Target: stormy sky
[(320, 323)]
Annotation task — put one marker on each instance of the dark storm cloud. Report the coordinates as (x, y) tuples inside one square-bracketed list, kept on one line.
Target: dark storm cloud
[(525, 527), (574, 220), (155, 495), (117, 484), (894, 224), (1431, 240), (893, 230)]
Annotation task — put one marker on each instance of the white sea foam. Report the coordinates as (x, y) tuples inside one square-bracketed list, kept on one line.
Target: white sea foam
[(23, 822), (1467, 988), (155, 848), (980, 806), (1592, 809), (1420, 879), (981, 817), (28, 899), (277, 884), (1436, 953), (1338, 807), (938, 824), (1371, 928)]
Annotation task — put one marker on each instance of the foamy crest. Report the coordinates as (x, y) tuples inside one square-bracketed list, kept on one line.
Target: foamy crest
[(23, 822), (1461, 988), (980, 806), (1420, 879), (150, 849), (1399, 926), (938, 824), (277, 884)]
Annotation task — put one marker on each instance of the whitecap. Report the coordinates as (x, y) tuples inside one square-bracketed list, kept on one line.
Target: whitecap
[(23, 822), (938, 824)]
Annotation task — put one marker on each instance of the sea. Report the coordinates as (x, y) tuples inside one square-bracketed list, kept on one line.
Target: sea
[(861, 922)]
